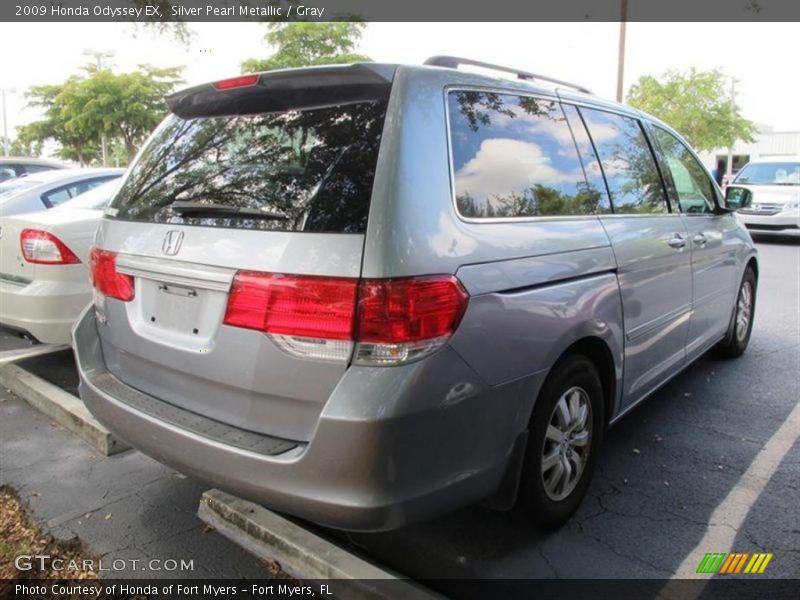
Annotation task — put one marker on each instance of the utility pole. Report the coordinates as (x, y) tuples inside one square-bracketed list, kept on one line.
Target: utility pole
[(99, 59), (5, 124), (729, 167), (621, 57)]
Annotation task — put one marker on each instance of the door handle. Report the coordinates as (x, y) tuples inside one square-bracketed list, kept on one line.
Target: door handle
[(678, 241), (700, 239)]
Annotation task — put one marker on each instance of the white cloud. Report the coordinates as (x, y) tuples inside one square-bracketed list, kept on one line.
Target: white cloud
[(554, 127), (503, 165), (557, 130), (613, 166), (602, 132)]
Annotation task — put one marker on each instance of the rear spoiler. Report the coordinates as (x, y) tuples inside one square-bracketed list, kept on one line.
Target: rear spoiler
[(286, 89)]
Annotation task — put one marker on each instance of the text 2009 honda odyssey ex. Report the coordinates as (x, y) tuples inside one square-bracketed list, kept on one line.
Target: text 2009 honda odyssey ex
[(370, 294)]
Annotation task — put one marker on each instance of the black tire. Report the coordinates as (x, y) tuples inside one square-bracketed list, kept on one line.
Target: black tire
[(537, 500), (735, 342)]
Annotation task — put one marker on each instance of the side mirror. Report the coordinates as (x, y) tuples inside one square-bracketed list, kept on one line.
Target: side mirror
[(737, 197)]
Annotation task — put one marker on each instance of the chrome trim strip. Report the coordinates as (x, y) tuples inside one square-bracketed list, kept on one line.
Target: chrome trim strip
[(614, 420), (176, 272), (658, 322)]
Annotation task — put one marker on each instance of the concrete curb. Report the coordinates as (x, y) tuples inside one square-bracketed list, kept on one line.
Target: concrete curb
[(9, 356), (301, 553), (64, 408)]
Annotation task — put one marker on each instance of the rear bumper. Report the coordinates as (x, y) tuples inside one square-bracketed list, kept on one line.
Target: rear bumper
[(380, 457), (45, 309)]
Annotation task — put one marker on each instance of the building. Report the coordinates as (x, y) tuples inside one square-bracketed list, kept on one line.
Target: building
[(768, 143)]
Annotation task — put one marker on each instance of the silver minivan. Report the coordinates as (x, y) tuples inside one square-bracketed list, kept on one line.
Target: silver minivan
[(370, 294)]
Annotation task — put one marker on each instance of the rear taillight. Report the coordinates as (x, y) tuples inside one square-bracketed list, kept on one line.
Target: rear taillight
[(403, 319), (389, 321), (306, 316), (105, 278), (43, 248)]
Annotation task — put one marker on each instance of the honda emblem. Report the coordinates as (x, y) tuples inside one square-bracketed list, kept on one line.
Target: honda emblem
[(172, 242)]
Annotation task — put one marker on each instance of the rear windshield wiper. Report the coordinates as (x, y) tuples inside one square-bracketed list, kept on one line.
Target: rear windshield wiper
[(183, 207)]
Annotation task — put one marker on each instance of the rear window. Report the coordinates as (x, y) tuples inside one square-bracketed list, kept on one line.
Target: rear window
[(299, 170)]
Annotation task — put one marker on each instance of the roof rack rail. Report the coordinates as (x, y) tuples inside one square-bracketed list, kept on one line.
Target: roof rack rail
[(453, 62)]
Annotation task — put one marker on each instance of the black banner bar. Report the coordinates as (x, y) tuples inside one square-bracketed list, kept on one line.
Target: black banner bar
[(394, 10), (732, 588)]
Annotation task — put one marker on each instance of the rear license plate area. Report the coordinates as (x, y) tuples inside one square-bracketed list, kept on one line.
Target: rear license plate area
[(176, 308), (178, 314)]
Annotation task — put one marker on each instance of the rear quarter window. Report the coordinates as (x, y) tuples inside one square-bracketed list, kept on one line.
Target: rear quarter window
[(516, 157), (299, 170), (65, 193), (7, 172)]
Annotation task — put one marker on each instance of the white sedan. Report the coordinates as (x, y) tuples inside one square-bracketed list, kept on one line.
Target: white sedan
[(44, 279), (48, 189)]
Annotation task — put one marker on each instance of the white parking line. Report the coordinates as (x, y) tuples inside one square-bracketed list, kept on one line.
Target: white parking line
[(9, 356), (727, 518)]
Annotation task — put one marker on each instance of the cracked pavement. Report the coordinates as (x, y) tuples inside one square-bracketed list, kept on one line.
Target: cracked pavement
[(662, 472), (71, 491)]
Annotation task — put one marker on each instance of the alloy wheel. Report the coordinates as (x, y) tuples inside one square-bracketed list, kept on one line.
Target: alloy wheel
[(744, 310), (567, 443)]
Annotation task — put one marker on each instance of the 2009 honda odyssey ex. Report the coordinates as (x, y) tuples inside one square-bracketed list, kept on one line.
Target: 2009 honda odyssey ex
[(370, 294)]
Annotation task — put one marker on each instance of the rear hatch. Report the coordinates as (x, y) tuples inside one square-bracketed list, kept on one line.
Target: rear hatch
[(251, 185)]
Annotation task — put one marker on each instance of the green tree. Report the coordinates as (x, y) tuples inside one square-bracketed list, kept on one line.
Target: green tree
[(122, 107), (125, 106), (695, 103), (303, 44), (54, 124), (22, 144)]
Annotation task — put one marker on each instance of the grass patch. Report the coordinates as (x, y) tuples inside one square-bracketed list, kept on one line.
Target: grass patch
[(19, 535)]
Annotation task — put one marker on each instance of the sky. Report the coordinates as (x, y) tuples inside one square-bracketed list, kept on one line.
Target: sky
[(762, 57)]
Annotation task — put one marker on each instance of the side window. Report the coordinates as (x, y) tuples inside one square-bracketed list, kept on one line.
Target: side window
[(514, 156), (591, 166), (67, 192), (57, 196), (628, 163), (7, 172), (693, 187)]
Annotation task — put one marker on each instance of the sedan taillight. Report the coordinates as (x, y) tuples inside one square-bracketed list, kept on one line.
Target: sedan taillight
[(43, 248)]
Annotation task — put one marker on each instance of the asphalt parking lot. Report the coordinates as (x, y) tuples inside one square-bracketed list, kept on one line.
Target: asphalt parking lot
[(681, 476)]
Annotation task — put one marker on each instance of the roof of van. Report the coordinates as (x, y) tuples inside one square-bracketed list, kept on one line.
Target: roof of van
[(281, 86)]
